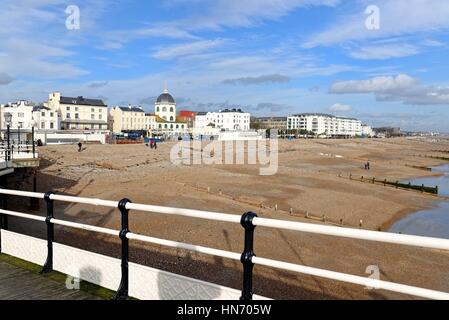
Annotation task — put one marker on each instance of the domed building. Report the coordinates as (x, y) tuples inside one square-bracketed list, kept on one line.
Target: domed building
[(165, 112), (165, 107)]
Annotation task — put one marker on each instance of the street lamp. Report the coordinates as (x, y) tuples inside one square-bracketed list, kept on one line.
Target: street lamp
[(8, 119), (33, 124)]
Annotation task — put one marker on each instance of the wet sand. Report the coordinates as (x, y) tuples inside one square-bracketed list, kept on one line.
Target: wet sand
[(307, 181)]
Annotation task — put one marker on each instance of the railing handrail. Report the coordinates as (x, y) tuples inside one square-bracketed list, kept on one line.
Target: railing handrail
[(417, 241), (344, 232)]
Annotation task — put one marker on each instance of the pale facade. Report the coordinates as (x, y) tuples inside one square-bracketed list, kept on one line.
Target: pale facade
[(21, 112), (79, 113), (165, 107), (130, 119), (166, 121), (224, 120), (367, 131), (45, 118), (325, 124)]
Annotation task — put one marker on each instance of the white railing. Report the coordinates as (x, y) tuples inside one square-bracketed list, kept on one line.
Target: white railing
[(248, 259)]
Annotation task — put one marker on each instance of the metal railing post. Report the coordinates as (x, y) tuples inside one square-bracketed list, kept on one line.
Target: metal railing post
[(3, 217), (4, 203), (247, 255), (123, 290), (48, 266)]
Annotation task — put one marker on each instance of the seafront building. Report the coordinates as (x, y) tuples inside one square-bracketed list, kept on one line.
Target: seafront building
[(45, 118), (21, 114), (224, 120), (325, 125), (167, 122), (130, 119), (79, 113), (271, 123)]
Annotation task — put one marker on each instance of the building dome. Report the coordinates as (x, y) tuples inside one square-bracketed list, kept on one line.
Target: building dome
[(165, 98)]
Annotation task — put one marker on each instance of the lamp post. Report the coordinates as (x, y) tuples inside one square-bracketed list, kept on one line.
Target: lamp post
[(8, 119), (33, 124)]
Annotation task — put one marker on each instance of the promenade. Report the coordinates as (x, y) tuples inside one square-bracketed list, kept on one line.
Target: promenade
[(21, 284)]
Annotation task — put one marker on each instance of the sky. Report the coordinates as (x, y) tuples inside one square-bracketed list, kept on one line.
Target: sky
[(384, 62)]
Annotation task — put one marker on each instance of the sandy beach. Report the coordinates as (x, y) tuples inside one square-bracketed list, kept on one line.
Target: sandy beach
[(312, 179)]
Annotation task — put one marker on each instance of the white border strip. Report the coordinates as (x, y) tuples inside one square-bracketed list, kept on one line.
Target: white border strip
[(368, 282)]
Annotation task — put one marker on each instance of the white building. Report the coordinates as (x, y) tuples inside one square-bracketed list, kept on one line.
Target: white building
[(79, 113), (325, 124), (367, 131), (45, 119), (22, 114), (223, 120), (167, 122)]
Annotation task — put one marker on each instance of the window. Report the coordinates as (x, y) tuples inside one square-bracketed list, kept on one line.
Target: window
[(164, 109), (68, 108), (77, 116), (52, 125), (92, 117), (171, 118), (157, 109), (51, 114), (68, 115), (21, 115), (76, 108), (92, 110), (99, 116), (92, 126), (171, 109), (42, 125), (43, 114), (160, 126)]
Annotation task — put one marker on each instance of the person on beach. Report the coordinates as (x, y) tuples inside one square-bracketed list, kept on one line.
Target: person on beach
[(80, 146)]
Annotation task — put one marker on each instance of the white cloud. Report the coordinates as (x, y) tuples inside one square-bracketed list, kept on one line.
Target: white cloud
[(398, 17), (186, 49), (236, 13), (375, 85), (117, 39), (385, 52), (340, 108), (402, 88)]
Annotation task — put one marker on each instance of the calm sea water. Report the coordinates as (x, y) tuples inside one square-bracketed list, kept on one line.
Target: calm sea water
[(432, 222)]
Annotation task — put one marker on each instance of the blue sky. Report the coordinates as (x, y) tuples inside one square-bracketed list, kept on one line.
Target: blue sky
[(270, 57)]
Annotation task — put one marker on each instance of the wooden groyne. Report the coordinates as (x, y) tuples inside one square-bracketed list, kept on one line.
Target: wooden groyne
[(396, 184)]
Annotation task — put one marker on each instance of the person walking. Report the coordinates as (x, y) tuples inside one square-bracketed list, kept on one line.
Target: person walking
[(80, 146)]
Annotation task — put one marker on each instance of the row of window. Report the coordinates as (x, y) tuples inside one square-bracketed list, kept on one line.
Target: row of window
[(91, 110), (77, 126), (77, 116), (43, 125), (171, 126), (164, 109)]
